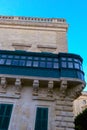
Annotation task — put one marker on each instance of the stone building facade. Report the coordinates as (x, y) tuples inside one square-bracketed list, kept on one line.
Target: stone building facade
[(80, 103), (39, 79)]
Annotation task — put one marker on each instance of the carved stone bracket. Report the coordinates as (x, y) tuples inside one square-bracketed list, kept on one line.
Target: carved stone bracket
[(35, 87), (50, 89), (76, 91), (63, 87), (3, 85), (18, 85)]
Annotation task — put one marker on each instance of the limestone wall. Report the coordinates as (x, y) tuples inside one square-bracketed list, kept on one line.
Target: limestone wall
[(26, 101), (43, 37)]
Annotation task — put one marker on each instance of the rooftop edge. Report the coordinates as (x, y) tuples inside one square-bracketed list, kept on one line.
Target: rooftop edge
[(33, 19)]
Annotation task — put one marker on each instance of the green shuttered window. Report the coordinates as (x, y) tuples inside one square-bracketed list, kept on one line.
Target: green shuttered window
[(41, 119), (5, 114)]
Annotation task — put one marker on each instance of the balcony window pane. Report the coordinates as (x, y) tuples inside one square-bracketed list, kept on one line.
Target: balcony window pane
[(2, 61), (49, 64), (56, 59), (81, 68), (55, 65), (22, 62), (70, 65), (63, 58), (15, 62), (80, 62), (16, 57), (49, 59), (23, 57), (76, 65), (43, 58), (69, 59), (8, 62), (4, 56), (35, 64), (36, 58), (76, 60), (29, 63), (42, 64), (64, 65), (29, 57), (10, 56)]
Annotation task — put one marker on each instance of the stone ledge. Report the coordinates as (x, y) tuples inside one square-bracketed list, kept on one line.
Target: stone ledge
[(10, 96), (65, 114), (64, 103), (59, 128), (43, 98), (63, 118)]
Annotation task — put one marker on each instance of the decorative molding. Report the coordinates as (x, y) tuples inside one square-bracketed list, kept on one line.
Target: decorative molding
[(76, 91), (35, 87), (18, 85), (21, 45), (3, 85), (9, 96), (47, 46), (50, 89), (63, 88), (43, 98), (32, 19)]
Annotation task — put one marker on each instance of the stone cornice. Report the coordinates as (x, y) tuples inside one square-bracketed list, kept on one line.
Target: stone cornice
[(36, 22)]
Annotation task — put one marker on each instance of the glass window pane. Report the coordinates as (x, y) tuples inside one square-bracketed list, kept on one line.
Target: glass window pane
[(42, 64), (55, 65), (63, 58), (16, 57), (76, 60), (81, 68), (36, 58), (29, 57), (2, 61), (70, 65), (8, 62), (35, 63), (49, 64), (76, 65), (49, 59), (22, 62), (23, 57), (56, 59), (64, 64), (10, 56), (29, 63), (15, 62), (69, 59), (4, 56), (43, 58)]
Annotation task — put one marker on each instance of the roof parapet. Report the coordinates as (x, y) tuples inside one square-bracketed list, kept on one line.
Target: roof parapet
[(34, 19)]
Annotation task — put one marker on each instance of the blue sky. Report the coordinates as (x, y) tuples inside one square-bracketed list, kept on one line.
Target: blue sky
[(74, 11)]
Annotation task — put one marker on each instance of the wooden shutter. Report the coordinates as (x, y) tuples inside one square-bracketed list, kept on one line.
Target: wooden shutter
[(41, 119), (5, 114)]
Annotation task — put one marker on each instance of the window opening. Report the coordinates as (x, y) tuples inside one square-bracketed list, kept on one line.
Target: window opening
[(5, 114), (41, 119)]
